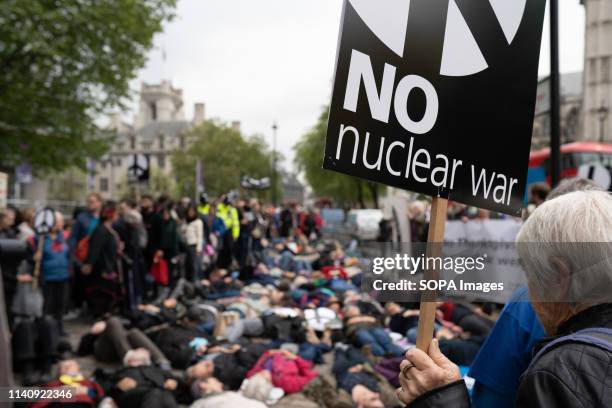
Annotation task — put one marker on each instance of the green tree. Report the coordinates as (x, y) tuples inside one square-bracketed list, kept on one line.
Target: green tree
[(63, 63), (345, 190), (226, 156)]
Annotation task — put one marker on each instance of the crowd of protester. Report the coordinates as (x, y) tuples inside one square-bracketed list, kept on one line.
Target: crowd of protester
[(231, 303)]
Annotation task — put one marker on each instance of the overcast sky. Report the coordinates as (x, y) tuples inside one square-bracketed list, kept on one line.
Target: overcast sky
[(263, 60)]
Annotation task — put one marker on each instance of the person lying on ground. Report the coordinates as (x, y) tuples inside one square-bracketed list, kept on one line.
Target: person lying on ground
[(209, 393), (229, 365), (110, 341), (287, 371), (355, 376), (84, 391), (139, 384), (361, 330)]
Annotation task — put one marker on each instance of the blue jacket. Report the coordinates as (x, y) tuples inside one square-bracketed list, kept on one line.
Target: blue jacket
[(55, 263)]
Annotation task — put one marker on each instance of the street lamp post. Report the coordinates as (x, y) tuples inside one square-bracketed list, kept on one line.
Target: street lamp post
[(555, 103), (274, 130), (602, 113)]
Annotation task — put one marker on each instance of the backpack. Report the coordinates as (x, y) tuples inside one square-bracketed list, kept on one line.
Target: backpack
[(597, 336)]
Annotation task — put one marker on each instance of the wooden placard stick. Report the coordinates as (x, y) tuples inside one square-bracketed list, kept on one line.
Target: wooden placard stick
[(435, 236), (39, 255)]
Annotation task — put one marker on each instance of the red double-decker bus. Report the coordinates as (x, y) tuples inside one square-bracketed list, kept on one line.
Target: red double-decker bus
[(573, 156)]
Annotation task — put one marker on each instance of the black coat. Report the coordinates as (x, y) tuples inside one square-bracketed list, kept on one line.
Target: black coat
[(174, 343), (149, 391), (231, 369), (102, 255), (569, 375)]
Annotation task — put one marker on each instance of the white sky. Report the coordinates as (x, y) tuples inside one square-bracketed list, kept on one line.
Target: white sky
[(263, 60)]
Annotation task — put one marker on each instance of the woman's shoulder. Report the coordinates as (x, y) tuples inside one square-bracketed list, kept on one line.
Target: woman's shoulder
[(573, 367)]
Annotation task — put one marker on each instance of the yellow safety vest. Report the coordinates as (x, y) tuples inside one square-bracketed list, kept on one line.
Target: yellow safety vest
[(203, 209), (229, 215)]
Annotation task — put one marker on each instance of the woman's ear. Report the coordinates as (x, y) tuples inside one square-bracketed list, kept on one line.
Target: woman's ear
[(564, 276)]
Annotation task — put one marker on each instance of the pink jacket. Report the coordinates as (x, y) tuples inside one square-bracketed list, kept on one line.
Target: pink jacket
[(291, 375)]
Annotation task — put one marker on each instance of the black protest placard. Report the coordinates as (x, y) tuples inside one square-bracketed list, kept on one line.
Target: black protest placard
[(437, 97), (138, 169)]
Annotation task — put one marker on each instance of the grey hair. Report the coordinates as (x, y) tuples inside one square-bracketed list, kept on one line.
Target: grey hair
[(137, 357), (576, 227), (570, 185)]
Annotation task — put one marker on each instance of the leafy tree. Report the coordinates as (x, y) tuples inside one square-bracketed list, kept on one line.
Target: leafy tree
[(345, 190), (63, 63), (226, 156)]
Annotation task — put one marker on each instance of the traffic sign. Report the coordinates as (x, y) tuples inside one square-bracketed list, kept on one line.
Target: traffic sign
[(597, 173), (138, 168), (438, 97)]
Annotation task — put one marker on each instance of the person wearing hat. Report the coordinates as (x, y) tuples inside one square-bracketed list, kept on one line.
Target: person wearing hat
[(229, 215), (204, 206)]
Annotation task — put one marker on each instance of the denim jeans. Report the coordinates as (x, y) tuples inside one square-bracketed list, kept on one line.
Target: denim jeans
[(314, 352), (380, 342)]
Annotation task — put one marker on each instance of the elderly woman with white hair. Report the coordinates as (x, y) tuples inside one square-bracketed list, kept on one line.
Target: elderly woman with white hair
[(565, 248)]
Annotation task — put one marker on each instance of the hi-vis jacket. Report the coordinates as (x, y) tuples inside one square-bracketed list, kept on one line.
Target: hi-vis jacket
[(229, 215), (203, 209)]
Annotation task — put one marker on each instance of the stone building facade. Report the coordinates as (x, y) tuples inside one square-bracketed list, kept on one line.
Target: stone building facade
[(571, 111), (597, 111), (159, 129)]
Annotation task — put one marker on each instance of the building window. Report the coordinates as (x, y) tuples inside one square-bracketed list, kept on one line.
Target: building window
[(120, 147), (161, 161), (104, 184), (117, 162), (161, 142), (182, 142), (133, 143), (147, 146), (103, 164), (153, 108), (592, 71), (605, 69)]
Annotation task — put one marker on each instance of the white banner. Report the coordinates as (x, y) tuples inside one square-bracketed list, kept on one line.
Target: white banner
[(3, 189), (495, 238)]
